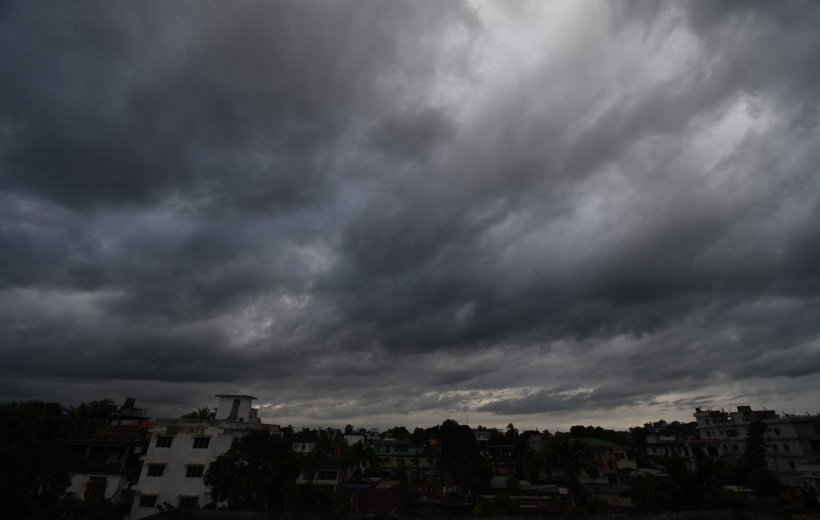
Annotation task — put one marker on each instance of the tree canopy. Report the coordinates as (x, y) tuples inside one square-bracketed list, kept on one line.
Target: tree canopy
[(255, 474), (34, 467)]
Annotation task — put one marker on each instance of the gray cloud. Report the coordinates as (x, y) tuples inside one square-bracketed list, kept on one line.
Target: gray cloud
[(409, 211)]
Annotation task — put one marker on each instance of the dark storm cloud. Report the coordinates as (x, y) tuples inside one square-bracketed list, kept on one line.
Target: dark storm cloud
[(411, 135), (409, 209)]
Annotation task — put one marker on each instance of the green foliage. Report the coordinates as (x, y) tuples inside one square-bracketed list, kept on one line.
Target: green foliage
[(420, 435), (511, 434), (616, 437), (360, 458), (685, 489), (34, 467), (478, 472), (532, 462), (513, 486), (756, 446), (645, 492), (399, 433), (754, 470), (72, 508), (255, 474), (503, 505), (595, 505), (309, 498), (459, 451), (84, 418), (572, 456)]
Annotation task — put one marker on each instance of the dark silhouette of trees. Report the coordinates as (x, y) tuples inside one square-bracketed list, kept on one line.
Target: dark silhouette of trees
[(460, 457), (256, 474), (616, 437), (754, 471), (84, 418), (360, 457), (572, 456), (399, 433), (34, 467), (200, 413)]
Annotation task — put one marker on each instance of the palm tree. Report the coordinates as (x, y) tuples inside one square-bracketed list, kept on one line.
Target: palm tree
[(360, 457), (200, 413), (573, 457)]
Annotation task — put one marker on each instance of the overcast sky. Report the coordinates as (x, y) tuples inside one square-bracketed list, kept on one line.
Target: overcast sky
[(545, 213)]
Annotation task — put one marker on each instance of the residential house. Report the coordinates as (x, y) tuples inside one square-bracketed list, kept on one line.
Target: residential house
[(109, 456), (415, 460)]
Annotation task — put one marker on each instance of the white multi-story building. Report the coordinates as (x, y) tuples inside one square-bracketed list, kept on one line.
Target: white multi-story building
[(792, 441), (180, 450)]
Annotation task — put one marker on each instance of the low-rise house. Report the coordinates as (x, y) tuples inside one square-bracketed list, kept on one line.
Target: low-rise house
[(109, 456), (615, 462), (412, 459)]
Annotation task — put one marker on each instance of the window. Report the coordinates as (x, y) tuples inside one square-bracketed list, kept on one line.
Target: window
[(201, 442), (186, 502), (194, 471), (791, 463), (164, 441), (734, 447), (155, 470), (786, 448), (777, 431), (148, 501), (774, 447)]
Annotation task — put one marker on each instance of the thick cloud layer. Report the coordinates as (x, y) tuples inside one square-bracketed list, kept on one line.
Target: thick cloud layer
[(396, 212)]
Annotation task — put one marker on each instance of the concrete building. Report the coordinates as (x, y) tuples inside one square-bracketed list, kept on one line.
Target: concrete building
[(792, 441), (109, 456), (415, 460), (180, 450), (662, 440)]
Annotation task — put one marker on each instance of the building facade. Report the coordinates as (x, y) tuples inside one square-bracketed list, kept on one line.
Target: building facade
[(180, 450), (792, 442), (109, 456)]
